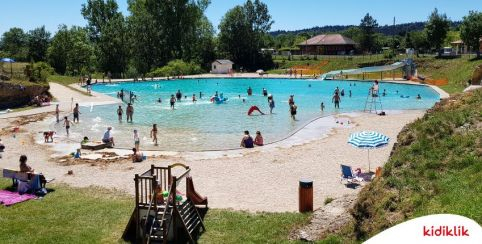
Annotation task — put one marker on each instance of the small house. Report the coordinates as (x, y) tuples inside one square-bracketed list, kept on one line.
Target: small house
[(221, 66)]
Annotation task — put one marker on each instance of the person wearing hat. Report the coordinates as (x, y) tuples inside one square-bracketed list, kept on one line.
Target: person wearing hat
[(108, 137)]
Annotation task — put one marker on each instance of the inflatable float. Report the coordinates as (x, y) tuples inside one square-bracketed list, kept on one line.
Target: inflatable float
[(218, 99)]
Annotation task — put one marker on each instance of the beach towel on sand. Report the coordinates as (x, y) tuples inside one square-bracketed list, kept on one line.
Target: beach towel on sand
[(8, 198)]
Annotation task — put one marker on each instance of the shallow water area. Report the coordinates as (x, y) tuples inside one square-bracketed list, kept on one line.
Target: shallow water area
[(203, 125)]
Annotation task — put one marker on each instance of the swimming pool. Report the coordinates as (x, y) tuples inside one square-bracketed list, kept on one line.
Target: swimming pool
[(206, 126)]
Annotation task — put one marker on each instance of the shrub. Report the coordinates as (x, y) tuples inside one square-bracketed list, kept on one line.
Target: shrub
[(39, 71), (175, 68)]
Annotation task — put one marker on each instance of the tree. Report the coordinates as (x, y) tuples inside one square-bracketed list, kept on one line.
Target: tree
[(108, 31), (241, 34), (15, 43), (367, 26), (71, 51), (471, 31), (38, 43), (437, 27), (162, 31), (58, 50), (419, 41)]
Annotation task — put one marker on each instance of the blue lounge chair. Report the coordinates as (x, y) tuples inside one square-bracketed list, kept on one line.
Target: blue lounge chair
[(347, 174)]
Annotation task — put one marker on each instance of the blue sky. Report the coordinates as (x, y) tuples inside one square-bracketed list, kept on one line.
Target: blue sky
[(287, 14)]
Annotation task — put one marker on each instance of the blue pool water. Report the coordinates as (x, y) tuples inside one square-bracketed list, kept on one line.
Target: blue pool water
[(204, 125)]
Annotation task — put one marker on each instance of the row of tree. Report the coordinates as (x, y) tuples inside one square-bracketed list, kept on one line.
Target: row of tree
[(154, 33), (437, 31)]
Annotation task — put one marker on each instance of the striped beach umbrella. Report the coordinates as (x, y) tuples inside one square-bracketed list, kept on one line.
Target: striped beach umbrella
[(368, 140)]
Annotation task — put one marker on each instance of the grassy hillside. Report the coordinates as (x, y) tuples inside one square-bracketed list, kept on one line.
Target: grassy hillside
[(456, 71), (436, 167)]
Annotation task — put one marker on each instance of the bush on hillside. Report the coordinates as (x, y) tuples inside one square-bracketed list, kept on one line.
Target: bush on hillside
[(39, 71), (176, 68), (435, 168)]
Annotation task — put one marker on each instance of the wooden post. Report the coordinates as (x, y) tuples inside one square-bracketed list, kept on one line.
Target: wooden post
[(173, 199), (381, 75), (138, 221)]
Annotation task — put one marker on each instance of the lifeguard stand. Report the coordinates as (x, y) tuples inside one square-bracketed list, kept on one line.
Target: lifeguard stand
[(373, 102)]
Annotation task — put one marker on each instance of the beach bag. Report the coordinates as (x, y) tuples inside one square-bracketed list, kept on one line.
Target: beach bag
[(35, 183)]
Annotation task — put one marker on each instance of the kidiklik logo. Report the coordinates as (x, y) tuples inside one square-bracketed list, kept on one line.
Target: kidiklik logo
[(445, 231)]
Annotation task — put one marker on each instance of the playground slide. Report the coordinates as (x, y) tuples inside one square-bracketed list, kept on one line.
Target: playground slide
[(191, 193)]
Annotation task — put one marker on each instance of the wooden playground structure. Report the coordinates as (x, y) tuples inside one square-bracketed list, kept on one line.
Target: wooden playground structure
[(162, 213)]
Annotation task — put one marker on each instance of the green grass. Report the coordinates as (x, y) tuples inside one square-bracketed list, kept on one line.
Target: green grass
[(63, 79), (435, 168), (67, 215), (456, 71), (225, 226), (96, 215)]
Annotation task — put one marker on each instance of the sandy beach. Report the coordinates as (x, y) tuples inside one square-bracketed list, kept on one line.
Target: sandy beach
[(263, 179)]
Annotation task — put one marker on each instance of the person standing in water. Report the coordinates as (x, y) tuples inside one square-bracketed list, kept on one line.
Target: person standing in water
[(57, 113), (336, 99), (172, 101), (67, 124), (154, 134), (250, 91), (119, 113), (76, 113), (322, 106), (194, 98), (291, 100), (129, 112), (293, 109), (178, 95), (137, 140), (271, 104)]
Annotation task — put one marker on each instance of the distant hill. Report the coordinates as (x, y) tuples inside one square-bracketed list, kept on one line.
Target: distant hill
[(385, 29)]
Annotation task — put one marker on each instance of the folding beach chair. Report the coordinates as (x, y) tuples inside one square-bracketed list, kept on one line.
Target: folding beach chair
[(347, 174)]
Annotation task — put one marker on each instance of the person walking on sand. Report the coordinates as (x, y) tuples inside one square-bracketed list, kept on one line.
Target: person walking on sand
[(76, 113), (293, 109), (137, 140), (57, 113), (119, 113), (336, 99), (154, 134), (129, 112), (67, 124)]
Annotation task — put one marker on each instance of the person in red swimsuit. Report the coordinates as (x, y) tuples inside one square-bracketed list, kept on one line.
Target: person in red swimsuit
[(254, 108)]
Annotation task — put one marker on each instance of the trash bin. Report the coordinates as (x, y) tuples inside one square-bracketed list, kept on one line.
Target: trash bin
[(305, 196)]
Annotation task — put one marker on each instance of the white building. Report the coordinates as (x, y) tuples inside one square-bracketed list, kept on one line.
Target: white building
[(221, 66)]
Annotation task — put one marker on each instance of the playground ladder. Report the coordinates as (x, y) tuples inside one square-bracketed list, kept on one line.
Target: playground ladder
[(373, 103), (190, 217)]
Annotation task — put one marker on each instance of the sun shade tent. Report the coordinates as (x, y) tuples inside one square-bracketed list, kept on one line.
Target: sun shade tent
[(8, 60), (373, 69)]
